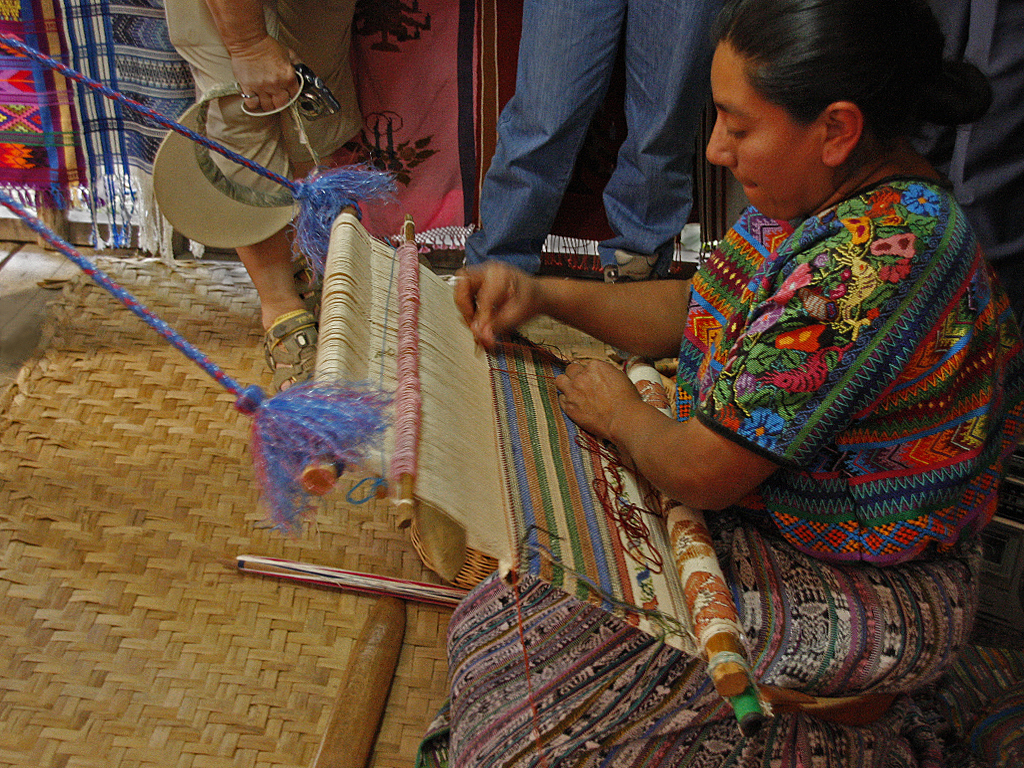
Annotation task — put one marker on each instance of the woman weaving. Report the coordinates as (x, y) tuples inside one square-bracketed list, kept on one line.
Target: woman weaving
[(848, 388)]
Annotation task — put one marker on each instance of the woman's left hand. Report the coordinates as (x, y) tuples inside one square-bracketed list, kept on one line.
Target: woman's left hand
[(593, 393)]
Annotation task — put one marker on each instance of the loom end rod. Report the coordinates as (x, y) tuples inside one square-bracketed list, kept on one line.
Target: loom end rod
[(405, 499), (749, 712), (319, 477), (405, 493), (731, 678)]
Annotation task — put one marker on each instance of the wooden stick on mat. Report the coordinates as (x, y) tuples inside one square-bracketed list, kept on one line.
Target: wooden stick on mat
[(349, 739), (357, 581)]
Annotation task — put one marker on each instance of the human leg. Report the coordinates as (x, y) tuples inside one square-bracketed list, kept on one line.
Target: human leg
[(320, 34), (272, 270), (649, 195), (268, 262), (566, 56)]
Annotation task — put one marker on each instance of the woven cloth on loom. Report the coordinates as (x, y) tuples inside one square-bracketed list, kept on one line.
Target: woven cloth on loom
[(124, 46), (496, 452), (577, 519), (37, 143), (358, 342)]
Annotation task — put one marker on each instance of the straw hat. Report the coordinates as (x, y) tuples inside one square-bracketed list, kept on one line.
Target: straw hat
[(205, 206)]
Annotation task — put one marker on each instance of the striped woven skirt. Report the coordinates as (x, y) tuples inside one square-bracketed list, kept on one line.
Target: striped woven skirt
[(539, 678)]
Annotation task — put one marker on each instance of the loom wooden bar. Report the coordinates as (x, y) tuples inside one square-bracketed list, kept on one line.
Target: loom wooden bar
[(320, 476), (732, 679), (348, 741), (405, 497)]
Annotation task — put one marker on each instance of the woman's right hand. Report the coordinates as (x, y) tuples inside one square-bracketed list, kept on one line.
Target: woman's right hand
[(495, 298)]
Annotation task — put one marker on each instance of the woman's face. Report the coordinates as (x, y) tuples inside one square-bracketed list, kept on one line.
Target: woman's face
[(777, 160)]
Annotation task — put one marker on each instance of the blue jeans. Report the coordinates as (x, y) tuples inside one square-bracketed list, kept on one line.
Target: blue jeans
[(566, 55)]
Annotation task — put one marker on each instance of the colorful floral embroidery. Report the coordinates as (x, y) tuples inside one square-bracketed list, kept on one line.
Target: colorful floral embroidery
[(828, 346), (921, 200)]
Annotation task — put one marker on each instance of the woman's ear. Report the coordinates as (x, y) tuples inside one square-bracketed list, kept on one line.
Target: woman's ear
[(844, 126)]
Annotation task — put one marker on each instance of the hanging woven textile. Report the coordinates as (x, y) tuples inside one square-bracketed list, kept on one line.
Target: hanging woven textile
[(38, 154)]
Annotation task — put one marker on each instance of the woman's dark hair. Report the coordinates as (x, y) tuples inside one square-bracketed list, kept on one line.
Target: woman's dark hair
[(885, 56)]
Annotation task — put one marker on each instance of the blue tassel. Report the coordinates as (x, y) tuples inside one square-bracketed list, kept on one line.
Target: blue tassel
[(312, 421), (323, 195)]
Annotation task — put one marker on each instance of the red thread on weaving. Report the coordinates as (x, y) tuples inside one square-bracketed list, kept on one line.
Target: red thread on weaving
[(610, 491)]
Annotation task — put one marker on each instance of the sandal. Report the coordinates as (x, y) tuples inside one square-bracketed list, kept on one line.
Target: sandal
[(290, 348), (310, 289)]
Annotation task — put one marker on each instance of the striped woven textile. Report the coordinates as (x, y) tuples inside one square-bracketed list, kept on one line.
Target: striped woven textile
[(125, 46), (578, 520), (998, 738), (38, 153), (981, 703), (542, 678)]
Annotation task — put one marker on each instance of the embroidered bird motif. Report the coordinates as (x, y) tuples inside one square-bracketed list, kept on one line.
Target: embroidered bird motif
[(864, 280)]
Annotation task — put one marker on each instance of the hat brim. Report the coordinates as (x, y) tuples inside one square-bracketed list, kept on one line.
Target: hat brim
[(196, 208)]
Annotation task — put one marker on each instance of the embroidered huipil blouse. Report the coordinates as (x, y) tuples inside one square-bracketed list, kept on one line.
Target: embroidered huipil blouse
[(866, 352)]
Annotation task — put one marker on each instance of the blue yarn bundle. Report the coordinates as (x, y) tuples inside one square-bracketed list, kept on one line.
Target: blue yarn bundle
[(314, 421), (322, 195)]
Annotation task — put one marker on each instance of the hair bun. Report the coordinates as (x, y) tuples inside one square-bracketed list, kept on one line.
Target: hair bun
[(960, 94)]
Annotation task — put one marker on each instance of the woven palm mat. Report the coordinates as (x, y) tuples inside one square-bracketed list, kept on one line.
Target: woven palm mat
[(128, 638)]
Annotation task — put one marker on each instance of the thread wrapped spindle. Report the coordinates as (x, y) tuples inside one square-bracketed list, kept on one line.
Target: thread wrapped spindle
[(408, 400)]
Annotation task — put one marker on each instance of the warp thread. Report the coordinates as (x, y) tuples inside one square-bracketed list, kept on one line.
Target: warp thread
[(408, 398)]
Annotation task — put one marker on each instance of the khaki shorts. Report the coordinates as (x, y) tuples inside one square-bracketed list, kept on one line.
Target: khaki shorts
[(320, 33)]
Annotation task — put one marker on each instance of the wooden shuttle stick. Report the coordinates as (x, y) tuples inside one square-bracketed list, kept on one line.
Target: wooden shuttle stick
[(356, 581), (348, 741)]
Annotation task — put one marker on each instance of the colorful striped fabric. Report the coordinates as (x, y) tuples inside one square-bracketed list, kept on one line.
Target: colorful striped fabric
[(867, 353), (998, 738), (125, 46), (415, 67), (981, 705), (581, 521), (38, 154)]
